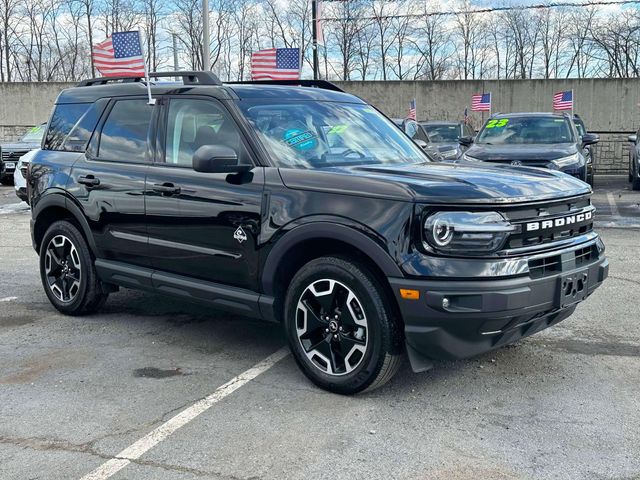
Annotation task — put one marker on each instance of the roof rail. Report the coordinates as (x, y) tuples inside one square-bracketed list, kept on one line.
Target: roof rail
[(324, 84), (188, 78)]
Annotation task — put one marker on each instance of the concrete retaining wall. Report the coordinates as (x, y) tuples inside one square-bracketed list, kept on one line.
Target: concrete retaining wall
[(610, 107)]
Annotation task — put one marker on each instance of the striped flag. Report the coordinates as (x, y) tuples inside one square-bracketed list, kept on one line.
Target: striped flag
[(276, 64), (119, 55), (563, 100), (481, 102), (412, 110)]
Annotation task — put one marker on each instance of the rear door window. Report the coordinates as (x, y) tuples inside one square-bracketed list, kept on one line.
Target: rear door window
[(124, 135)]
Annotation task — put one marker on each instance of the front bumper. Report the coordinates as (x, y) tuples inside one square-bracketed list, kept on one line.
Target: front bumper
[(483, 314)]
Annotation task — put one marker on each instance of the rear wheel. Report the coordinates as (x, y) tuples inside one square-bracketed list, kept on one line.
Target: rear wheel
[(67, 271), (635, 180), (340, 326)]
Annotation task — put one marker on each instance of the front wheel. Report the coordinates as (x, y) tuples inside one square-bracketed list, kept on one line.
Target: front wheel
[(67, 271), (341, 328)]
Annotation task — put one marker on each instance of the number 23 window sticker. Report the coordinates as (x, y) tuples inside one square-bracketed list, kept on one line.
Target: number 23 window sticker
[(497, 123)]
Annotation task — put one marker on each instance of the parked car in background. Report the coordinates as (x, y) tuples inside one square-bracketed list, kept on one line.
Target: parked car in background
[(10, 153), (546, 140), (634, 160), (418, 134), (20, 175), (446, 136), (590, 151)]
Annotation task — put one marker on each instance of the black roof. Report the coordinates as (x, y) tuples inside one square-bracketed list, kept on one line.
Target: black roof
[(93, 89)]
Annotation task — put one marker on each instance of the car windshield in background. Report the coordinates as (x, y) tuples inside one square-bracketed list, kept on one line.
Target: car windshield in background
[(443, 133), (34, 135), (526, 130), (328, 134)]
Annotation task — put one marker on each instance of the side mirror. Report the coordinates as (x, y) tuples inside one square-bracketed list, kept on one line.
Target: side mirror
[(217, 159), (633, 138), (465, 141), (421, 143), (590, 139)]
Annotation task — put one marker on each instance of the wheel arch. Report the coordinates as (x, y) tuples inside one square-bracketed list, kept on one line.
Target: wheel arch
[(307, 242), (56, 207)]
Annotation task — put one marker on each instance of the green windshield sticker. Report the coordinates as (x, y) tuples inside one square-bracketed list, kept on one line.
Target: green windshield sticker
[(338, 129), (497, 123), (35, 129), (558, 120)]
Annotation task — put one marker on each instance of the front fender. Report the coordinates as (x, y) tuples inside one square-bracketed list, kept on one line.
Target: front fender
[(315, 230)]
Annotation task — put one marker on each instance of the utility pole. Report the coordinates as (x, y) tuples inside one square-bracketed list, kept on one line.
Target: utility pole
[(175, 52), (206, 58), (314, 34)]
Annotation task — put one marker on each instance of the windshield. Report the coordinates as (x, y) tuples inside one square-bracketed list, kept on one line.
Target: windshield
[(526, 130), (443, 133), (328, 134), (34, 135)]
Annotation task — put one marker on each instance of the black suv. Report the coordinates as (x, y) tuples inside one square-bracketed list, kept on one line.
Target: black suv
[(545, 140), (304, 205), (10, 153)]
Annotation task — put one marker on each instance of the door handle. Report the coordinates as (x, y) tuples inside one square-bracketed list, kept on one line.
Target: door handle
[(89, 180), (166, 188)]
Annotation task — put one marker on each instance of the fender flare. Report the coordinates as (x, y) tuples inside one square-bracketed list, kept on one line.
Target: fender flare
[(325, 230), (60, 200)]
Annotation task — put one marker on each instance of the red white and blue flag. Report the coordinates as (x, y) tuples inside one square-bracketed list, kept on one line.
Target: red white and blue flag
[(276, 64), (481, 102), (563, 100), (119, 55), (412, 110)]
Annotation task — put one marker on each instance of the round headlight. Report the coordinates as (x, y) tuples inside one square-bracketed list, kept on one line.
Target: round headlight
[(442, 232)]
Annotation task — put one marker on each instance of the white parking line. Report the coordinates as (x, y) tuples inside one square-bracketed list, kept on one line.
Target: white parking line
[(613, 205), (137, 449), (8, 299)]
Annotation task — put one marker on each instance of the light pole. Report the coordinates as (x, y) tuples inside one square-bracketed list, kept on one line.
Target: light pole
[(175, 52), (314, 35), (206, 60)]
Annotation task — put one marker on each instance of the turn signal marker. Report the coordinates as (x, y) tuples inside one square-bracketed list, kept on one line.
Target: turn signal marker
[(409, 294)]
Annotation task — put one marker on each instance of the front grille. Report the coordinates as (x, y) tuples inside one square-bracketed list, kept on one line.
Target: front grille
[(525, 163), (542, 267), (542, 225), (12, 156)]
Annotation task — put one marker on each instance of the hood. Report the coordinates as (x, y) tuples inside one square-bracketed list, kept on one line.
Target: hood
[(21, 146), (459, 183), (548, 152)]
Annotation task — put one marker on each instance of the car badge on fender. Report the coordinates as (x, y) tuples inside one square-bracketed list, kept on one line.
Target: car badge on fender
[(239, 235)]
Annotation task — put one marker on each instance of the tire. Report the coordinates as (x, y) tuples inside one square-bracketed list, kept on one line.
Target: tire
[(65, 260), (635, 183), (591, 181), (358, 347), (6, 180)]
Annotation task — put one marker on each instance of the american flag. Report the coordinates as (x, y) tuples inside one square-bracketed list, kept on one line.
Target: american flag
[(481, 102), (119, 55), (412, 110), (276, 64), (563, 100)]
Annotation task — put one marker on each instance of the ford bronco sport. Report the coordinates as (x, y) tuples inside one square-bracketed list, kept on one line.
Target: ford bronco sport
[(298, 203)]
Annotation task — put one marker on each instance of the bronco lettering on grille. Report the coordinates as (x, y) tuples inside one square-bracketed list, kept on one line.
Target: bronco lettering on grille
[(559, 222)]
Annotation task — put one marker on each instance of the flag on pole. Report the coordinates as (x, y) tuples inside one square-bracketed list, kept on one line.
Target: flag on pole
[(481, 102), (120, 55), (466, 116), (563, 100), (276, 64), (412, 110)]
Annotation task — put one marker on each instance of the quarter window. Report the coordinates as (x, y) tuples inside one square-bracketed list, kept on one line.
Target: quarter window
[(124, 134), (195, 123), (64, 118)]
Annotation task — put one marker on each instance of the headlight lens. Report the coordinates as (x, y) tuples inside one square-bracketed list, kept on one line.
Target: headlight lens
[(470, 232), (469, 158), (566, 161), (449, 154)]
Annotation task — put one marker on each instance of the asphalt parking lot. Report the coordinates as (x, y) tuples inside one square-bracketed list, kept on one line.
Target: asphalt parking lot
[(97, 396)]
